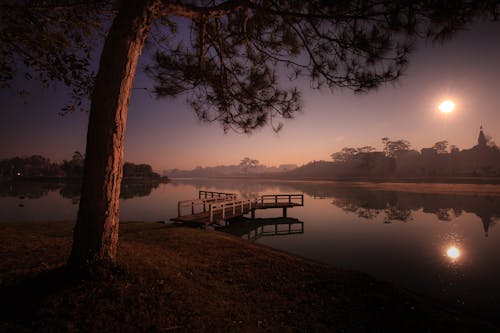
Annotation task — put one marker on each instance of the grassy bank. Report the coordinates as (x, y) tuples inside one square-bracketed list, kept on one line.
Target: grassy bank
[(180, 279)]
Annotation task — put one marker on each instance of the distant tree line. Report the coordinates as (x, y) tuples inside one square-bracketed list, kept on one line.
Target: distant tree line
[(247, 167), (398, 159), (390, 206), (33, 166), (38, 167), (393, 148)]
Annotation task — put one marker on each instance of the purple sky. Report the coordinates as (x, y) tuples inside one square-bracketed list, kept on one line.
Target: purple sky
[(166, 134)]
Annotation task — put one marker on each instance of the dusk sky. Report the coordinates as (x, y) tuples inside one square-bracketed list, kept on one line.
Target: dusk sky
[(166, 134)]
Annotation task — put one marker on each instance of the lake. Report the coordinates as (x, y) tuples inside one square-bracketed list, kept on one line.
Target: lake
[(446, 246)]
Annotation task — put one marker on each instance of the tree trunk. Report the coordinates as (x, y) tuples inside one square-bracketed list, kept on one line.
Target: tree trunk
[(96, 230)]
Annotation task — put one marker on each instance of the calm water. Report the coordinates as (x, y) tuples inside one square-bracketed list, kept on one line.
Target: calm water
[(446, 246)]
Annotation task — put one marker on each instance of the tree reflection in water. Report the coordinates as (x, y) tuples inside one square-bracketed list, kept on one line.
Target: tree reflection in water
[(36, 190), (366, 202), (399, 206), (395, 213), (351, 207), (128, 190), (26, 189)]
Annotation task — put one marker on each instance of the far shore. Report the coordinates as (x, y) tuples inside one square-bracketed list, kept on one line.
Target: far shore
[(458, 186), (78, 180), (437, 188)]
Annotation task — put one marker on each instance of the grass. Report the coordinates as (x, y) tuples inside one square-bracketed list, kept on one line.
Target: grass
[(181, 279)]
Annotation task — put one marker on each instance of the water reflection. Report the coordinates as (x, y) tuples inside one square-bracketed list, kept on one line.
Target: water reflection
[(400, 206), (264, 227), (390, 212), (36, 190), (453, 253), (345, 225), (26, 189), (245, 188), (128, 191), (367, 203)]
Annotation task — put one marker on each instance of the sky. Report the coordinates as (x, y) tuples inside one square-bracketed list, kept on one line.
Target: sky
[(166, 133)]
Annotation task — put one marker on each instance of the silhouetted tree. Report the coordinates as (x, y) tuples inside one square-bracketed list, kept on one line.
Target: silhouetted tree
[(365, 149), (131, 170), (490, 142), (441, 147), (248, 163), (392, 148), (344, 155), (78, 157), (454, 149), (32, 166), (74, 167), (348, 153), (396, 213), (384, 144), (227, 65)]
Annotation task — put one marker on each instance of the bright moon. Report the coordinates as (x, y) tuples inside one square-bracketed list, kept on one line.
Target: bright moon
[(447, 106), (453, 252)]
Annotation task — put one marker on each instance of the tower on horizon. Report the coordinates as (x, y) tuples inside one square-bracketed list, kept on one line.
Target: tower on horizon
[(481, 140)]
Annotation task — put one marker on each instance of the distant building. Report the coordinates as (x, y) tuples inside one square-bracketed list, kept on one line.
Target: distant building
[(482, 159), (428, 152), (481, 140), (287, 167)]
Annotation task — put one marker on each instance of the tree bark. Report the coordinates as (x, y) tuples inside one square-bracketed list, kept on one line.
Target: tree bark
[(96, 230)]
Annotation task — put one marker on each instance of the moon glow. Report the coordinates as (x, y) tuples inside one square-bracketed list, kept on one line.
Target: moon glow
[(447, 106), (453, 252)]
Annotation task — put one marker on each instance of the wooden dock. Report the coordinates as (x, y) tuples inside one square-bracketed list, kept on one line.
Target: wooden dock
[(217, 207)]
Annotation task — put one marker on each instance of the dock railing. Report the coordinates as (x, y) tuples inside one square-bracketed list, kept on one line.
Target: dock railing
[(191, 207), (228, 209), (281, 199), (215, 206), (277, 229), (210, 195)]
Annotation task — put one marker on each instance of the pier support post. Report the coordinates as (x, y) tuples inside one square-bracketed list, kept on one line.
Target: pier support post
[(253, 214), (284, 211)]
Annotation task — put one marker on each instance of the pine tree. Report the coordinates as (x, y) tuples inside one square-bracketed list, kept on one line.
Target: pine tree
[(230, 65)]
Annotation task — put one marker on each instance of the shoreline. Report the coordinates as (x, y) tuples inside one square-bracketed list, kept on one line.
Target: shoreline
[(165, 179), (462, 188), (456, 186), (184, 279)]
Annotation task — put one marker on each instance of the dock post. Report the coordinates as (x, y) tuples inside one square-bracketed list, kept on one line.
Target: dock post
[(284, 211), (253, 214)]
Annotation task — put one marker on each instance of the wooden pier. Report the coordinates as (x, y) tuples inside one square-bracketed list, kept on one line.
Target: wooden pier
[(217, 207)]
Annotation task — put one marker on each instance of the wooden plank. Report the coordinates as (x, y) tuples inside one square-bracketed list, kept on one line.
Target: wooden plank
[(226, 206)]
